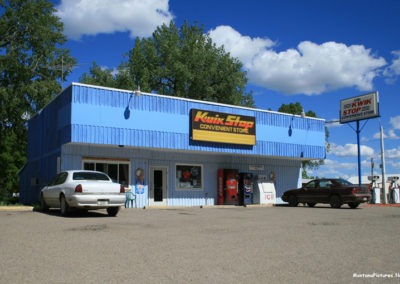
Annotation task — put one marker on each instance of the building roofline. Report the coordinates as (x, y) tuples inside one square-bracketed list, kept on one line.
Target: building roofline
[(192, 100), (172, 98)]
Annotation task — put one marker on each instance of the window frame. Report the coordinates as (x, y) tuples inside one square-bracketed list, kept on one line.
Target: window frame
[(189, 183), (117, 162)]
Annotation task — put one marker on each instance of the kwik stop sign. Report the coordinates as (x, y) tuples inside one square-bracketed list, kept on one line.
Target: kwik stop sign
[(359, 108)]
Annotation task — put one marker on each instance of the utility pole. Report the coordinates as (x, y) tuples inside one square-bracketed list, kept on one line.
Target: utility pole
[(383, 166)]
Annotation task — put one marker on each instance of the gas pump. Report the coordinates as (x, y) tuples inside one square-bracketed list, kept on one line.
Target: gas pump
[(245, 189), (375, 189), (394, 189)]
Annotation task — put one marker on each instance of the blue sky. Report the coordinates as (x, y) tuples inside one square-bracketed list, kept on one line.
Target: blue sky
[(313, 52)]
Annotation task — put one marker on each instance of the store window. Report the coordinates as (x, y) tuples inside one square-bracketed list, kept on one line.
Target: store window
[(189, 177), (118, 171)]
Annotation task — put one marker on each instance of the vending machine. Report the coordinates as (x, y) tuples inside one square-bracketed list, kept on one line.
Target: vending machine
[(228, 187), (245, 189)]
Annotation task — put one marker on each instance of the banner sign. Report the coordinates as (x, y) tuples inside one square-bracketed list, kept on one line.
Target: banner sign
[(359, 108), (223, 127)]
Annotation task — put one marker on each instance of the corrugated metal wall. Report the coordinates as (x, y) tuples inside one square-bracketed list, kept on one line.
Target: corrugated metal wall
[(47, 131), (287, 171), (106, 116)]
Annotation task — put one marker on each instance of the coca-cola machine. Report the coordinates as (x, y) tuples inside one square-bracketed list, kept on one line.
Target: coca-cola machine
[(228, 187)]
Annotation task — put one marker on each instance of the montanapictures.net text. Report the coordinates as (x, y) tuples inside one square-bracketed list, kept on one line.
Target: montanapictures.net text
[(376, 275)]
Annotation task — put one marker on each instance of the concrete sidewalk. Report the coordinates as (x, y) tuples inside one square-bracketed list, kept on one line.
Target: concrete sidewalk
[(16, 208)]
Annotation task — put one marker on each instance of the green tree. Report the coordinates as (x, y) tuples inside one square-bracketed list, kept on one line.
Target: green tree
[(297, 108), (31, 63), (182, 62), (99, 76)]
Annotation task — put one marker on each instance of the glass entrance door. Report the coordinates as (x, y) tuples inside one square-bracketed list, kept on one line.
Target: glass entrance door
[(158, 186)]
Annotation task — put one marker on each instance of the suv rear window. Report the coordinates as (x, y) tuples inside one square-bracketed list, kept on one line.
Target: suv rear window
[(89, 176)]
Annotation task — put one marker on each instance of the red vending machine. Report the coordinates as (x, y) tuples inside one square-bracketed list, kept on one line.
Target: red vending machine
[(228, 187), (220, 199)]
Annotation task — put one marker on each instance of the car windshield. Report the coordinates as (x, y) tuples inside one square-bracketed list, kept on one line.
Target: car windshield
[(89, 176)]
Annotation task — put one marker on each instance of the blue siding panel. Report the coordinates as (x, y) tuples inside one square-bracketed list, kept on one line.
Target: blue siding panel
[(107, 116)]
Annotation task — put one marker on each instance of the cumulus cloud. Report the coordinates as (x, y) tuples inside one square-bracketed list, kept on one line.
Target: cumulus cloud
[(350, 150), (243, 47), (91, 17), (393, 153), (333, 168), (391, 134), (309, 69), (393, 71), (395, 122), (394, 164), (331, 123)]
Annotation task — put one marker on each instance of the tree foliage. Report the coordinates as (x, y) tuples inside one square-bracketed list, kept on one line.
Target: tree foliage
[(31, 59), (297, 108), (181, 62)]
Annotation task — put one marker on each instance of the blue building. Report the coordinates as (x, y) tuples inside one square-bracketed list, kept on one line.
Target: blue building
[(176, 145)]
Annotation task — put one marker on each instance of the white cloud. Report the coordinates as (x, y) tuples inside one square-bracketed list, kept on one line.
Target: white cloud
[(377, 135), (393, 71), (243, 47), (91, 17), (395, 122), (364, 139), (309, 69), (331, 123), (391, 134), (393, 153), (395, 164), (334, 168), (350, 150)]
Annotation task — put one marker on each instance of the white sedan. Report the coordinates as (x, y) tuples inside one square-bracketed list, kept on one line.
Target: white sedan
[(82, 189)]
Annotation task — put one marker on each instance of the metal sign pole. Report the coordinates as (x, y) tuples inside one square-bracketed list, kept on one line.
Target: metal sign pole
[(359, 108), (359, 152)]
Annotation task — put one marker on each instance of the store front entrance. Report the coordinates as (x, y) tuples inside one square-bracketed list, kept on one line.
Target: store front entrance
[(158, 190)]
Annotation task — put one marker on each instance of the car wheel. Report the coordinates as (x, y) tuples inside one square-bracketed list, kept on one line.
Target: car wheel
[(43, 205), (310, 204), (353, 205), (112, 211), (64, 207), (335, 201), (293, 201)]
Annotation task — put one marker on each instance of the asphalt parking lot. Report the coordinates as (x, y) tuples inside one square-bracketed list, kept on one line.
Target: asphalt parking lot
[(209, 245)]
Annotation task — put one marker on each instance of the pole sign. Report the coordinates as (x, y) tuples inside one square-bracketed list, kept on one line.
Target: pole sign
[(222, 127), (359, 108)]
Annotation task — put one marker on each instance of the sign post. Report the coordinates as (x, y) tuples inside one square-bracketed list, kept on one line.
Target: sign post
[(356, 109)]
